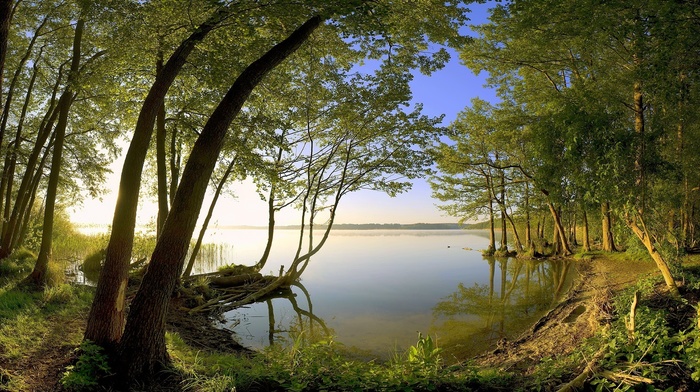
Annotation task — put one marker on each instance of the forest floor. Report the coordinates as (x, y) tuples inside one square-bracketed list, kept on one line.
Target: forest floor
[(586, 307)]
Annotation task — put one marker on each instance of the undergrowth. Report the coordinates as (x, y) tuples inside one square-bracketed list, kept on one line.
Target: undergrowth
[(325, 366), (661, 352)]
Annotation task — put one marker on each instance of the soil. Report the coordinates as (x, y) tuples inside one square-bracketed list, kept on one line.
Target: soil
[(558, 333), (576, 318), (41, 369)]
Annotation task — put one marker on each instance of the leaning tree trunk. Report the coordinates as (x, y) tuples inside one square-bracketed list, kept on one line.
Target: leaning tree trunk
[(107, 315), (6, 12), (160, 158), (207, 219), (560, 232), (39, 275), (640, 230), (270, 229), (142, 350), (5, 18), (11, 236)]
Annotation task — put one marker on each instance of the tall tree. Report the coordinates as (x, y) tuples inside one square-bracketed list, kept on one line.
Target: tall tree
[(142, 349), (107, 314), (39, 275)]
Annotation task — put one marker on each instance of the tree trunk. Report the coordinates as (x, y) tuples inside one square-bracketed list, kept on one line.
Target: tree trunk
[(10, 238), (528, 234), (142, 349), (5, 19), (25, 218), (643, 234), (492, 231), (559, 229), (586, 237), (174, 164), (270, 229), (573, 240), (8, 172), (6, 12), (271, 210), (39, 276), (160, 158), (106, 319), (518, 243), (608, 240), (210, 213)]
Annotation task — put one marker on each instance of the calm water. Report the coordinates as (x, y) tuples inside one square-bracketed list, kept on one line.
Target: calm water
[(375, 290)]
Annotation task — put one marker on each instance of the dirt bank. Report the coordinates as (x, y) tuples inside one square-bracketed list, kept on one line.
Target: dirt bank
[(577, 317)]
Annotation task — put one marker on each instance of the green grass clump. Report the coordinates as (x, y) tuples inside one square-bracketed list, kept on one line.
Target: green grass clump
[(323, 365), (17, 264)]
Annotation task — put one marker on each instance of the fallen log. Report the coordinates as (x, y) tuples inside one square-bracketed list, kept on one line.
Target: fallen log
[(235, 280)]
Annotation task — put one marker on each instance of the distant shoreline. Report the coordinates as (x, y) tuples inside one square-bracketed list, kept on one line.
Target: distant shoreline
[(338, 226)]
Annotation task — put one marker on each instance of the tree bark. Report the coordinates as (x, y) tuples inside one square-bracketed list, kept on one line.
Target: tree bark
[(643, 234), (106, 319), (4, 202), (559, 229), (586, 236), (528, 229), (5, 19), (210, 213), (11, 237), (270, 229), (8, 172), (142, 350), (492, 231), (39, 276), (608, 239), (174, 165), (6, 12), (160, 158)]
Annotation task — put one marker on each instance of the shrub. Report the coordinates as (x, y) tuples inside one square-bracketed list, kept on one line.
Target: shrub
[(90, 368)]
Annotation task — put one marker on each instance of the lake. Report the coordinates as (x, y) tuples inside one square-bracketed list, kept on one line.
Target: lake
[(375, 290)]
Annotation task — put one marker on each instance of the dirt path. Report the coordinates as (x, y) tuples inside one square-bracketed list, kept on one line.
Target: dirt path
[(576, 318), (41, 368)]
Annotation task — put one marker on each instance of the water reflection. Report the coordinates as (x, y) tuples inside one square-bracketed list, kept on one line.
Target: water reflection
[(375, 289), (301, 327), (474, 318)]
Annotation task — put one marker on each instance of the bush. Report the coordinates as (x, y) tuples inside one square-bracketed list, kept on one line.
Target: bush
[(90, 368)]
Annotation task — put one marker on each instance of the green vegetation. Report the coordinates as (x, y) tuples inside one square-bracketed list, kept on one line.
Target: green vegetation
[(662, 351), (92, 365)]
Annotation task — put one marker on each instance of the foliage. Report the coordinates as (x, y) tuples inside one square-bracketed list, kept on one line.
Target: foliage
[(18, 263), (91, 366), (323, 365), (659, 351), (93, 262)]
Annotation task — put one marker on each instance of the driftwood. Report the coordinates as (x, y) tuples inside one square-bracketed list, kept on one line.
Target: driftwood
[(591, 367), (629, 322), (248, 290), (235, 280)]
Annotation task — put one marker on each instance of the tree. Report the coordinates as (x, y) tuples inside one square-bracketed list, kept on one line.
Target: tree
[(593, 83), (142, 349), (107, 317), (39, 275)]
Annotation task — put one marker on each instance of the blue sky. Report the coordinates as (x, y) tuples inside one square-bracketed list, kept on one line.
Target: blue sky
[(447, 91)]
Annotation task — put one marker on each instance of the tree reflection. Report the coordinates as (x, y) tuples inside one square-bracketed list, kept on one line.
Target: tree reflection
[(303, 328), (471, 319)]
